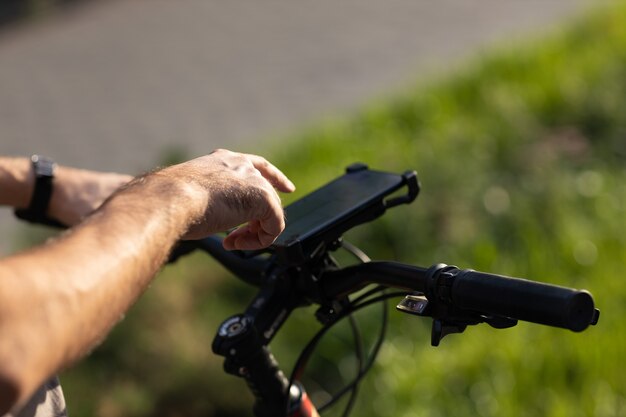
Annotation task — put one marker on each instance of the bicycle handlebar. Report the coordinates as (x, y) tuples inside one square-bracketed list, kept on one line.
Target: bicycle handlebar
[(517, 298), (465, 289), (479, 292)]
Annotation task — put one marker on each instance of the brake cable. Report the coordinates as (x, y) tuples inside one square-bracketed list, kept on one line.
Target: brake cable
[(360, 302)]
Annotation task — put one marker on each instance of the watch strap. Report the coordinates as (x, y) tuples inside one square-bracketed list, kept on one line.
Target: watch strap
[(42, 192)]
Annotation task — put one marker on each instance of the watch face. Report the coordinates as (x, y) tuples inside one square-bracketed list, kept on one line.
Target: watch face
[(44, 167)]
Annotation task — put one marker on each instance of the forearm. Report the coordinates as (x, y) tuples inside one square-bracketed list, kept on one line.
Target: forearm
[(55, 311), (75, 192), (58, 301), (16, 182)]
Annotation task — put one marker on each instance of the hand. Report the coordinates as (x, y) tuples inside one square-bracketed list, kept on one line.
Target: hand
[(78, 192), (234, 189)]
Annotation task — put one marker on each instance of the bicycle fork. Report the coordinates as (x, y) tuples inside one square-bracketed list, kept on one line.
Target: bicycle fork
[(246, 357)]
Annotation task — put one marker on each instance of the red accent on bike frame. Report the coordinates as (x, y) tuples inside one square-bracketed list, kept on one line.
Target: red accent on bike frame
[(306, 409)]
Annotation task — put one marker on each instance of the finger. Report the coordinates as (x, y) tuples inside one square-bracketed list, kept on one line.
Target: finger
[(255, 235), (229, 241), (271, 223), (272, 174), (248, 237)]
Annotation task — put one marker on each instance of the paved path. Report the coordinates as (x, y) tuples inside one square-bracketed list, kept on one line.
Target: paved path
[(113, 83)]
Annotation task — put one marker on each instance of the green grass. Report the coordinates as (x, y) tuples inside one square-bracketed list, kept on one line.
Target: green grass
[(522, 158)]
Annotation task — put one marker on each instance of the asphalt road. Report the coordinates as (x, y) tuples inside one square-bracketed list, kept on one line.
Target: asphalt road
[(111, 84)]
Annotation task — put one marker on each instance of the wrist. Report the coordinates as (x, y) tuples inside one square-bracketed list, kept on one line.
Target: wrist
[(171, 201), (59, 200), (43, 171), (78, 192), (66, 202)]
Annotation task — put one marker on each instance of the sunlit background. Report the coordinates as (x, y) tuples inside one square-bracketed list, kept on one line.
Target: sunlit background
[(123, 84), (513, 114)]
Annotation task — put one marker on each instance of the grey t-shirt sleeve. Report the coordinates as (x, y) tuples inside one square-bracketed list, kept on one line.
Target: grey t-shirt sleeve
[(47, 401)]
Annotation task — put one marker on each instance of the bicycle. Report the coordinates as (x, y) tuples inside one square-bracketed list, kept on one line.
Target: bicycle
[(299, 269)]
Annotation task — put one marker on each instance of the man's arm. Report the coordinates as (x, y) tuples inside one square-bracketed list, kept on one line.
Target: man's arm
[(59, 300), (16, 182), (75, 192)]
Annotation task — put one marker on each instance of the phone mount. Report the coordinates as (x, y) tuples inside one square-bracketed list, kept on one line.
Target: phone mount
[(317, 221)]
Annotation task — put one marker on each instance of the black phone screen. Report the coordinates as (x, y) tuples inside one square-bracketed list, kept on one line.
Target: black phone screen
[(334, 202)]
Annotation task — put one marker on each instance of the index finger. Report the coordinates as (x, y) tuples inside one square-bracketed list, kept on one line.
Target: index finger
[(272, 174)]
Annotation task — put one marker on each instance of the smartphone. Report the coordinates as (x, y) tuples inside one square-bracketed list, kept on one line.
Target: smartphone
[(325, 214)]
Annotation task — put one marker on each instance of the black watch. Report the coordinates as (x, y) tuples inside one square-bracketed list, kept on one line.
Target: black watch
[(42, 192)]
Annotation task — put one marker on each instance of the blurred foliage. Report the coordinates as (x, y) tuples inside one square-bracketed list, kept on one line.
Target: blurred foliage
[(522, 160), (15, 11)]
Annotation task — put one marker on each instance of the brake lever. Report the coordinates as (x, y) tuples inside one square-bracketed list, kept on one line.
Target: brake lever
[(448, 320), (442, 326)]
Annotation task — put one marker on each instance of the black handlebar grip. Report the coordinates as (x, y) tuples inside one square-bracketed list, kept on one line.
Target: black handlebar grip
[(523, 299)]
